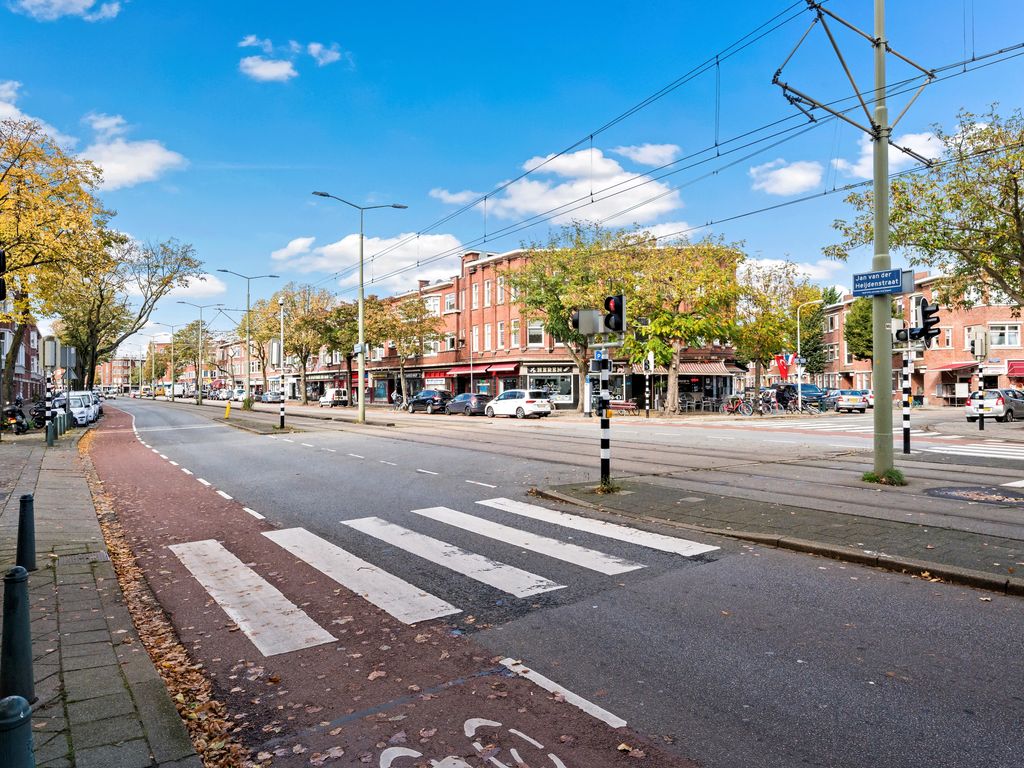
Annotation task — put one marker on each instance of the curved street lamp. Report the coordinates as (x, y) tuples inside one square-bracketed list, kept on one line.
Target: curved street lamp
[(361, 418), (199, 378), (248, 345)]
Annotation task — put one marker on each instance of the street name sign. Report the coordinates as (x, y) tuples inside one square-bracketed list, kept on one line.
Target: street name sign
[(878, 283)]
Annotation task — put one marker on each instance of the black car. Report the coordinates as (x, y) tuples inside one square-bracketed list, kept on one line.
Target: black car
[(468, 403), (430, 400), (812, 395)]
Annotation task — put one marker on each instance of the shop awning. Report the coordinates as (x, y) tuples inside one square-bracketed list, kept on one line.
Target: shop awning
[(503, 367), (1015, 368), (659, 370), (714, 368), (955, 366), (466, 369)]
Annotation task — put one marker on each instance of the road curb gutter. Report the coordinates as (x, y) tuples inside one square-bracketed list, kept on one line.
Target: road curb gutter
[(949, 573)]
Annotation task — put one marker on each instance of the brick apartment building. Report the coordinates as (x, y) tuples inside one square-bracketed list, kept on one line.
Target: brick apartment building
[(946, 372), (118, 372), (29, 380)]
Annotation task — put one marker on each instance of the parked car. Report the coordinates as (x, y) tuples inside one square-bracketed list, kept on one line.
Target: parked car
[(81, 409), (812, 394), (520, 403), (468, 403), (238, 394), (272, 397), (333, 396), (828, 402), (97, 400), (430, 400), (220, 394), (87, 399), (851, 400), (1001, 404)]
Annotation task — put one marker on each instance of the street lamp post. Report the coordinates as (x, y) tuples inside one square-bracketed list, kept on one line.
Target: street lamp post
[(280, 358), (199, 376), (799, 365), (172, 327), (248, 345), (361, 418)]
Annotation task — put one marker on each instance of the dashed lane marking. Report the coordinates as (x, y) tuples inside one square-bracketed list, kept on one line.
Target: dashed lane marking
[(355, 456), (485, 485), (426, 472), (1014, 484), (186, 471), (272, 622), (507, 578), (164, 457), (204, 482), (406, 602), (307, 445), (389, 463), (329, 450), (223, 495), (287, 440), (254, 513), (560, 550), (173, 463), (571, 698), (608, 530)]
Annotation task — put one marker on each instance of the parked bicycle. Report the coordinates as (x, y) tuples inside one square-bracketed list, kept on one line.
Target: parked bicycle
[(736, 405)]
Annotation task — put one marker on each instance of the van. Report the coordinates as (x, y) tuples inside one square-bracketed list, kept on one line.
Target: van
[(334, 396)]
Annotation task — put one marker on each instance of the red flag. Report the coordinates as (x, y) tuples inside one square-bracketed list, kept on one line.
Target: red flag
[(780, 363)]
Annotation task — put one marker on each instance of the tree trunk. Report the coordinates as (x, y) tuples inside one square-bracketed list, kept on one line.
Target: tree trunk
[(580, 358), (757, 378), (304, 398), (348, 381), (401, 379), (672, 396), (17, 339)]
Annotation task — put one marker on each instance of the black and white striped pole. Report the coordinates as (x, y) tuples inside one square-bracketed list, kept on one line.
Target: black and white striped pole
[(49, 409), (606, 431), (906, 400)]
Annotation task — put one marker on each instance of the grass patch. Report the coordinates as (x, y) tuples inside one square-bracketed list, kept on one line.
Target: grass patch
[(609, 487), (890, 477)]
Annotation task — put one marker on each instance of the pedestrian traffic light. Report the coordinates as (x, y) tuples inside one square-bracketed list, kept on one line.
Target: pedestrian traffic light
[(929, 319), (615, 320)]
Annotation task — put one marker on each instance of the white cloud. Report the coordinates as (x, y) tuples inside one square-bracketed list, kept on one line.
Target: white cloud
[(454, 198), (202, 287), (50, 10), (267, 70), (324, 55), (924, 144), (781, 178), (296, 247), (9, 90), (106, 126), (819, 271), (671, 228), (344, 253), (588, 174), (10, 111), (649, 154), (251, 41), (127, 163)]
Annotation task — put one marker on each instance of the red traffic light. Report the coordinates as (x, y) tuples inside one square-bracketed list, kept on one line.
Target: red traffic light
[(615, 320)]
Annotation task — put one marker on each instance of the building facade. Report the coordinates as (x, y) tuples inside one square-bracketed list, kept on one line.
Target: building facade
[(29, 379), (118, 372)]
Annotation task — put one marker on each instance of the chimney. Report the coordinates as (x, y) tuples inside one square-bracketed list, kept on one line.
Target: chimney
[(423, 284)]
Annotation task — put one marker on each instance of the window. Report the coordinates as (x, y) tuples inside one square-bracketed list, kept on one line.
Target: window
[(500, 298), (513, 334), (1004, 335), (947, 338), (996, 297), (33, 339), (915, 312), (462, 299), (449, 302), (433, 304), (501, 336), (487, 337), (475, 289), (535, 333), (449, 341), (513, 293), (831, 352), (431, 348), (968, 336), (476, 339), (830, 323), (487, 293)]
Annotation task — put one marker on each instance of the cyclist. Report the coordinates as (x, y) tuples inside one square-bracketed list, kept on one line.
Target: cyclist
[(784, 396)]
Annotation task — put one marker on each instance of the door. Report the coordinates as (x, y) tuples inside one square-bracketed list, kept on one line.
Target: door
[(504, 404)]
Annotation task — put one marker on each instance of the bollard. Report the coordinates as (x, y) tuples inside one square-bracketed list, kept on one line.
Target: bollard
[(981, 422), (50, 429), (16, 644), (63, 421), (26, 555), (16, 733)]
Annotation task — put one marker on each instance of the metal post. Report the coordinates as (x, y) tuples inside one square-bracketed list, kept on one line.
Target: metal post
[(16, 747), (26, 551), (906, 401), (361, 417), (280, 303), (881, 305), (606, 432), (647, 393), (981, 421), (173, 377), (16, 677), (199, 380), (49, 409)]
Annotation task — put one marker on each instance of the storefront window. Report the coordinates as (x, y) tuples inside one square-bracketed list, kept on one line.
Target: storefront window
[(559, 386)]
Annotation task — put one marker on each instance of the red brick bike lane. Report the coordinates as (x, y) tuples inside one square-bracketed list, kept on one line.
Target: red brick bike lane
[(381, 693)]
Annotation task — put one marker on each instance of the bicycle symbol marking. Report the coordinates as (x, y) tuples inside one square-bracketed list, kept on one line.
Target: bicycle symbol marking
[(389, 757)]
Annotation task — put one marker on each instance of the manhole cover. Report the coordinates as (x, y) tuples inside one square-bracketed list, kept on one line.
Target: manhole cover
[(84, 557), (980, 494)]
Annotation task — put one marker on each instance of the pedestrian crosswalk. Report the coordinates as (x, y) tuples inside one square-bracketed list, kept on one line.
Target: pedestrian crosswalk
[(826, 424), (987, 450), (275, 624)]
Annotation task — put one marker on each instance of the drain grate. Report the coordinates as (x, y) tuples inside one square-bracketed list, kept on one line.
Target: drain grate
[(83, 557)]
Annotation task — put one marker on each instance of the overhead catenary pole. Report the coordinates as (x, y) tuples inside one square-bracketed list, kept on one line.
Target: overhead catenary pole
[(906, 399), (799, 365), (199, 355), (280, 359), (248, 337)]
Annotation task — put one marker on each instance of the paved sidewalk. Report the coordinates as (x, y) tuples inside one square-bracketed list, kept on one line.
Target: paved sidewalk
[(101, 702), (975, 559)]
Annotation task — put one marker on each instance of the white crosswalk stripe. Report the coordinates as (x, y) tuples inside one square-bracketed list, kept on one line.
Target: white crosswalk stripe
[(827, 425), (407, 603), (983, 450), (600, 528), (272, 622), (560, 550), (498, 575)]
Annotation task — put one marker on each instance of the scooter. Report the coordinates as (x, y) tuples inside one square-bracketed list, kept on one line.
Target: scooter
[(14, 417), (37, 415)]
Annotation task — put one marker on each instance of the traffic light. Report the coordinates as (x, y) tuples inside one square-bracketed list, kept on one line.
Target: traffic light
[(904, 334), (3, 271), (615, 320), (929, 319)]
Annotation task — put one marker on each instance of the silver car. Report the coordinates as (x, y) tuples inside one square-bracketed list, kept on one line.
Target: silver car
[(1001, 404)]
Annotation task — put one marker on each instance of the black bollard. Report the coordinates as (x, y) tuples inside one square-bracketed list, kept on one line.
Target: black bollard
[(16, 644), (981, 422), (26, 556), (16, 733)]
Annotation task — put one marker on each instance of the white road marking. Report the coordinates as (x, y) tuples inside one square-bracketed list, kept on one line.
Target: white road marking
[(501, 576), (272, 622), (287, 440), (164, 457), (608, 530), (186, 471), (981, 450), (223, 495), (485, 485), (154, 450), (173, 463), (173, 429), (571, 698), (254, 513), (426, 472), (204, 482), (560, 550), (406, 602), (355, 456), (389, 463), (331, 450), (307, 445)]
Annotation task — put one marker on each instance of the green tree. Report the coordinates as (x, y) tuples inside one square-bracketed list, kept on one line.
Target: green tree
[(812, 340), (411, 326), (264, 327), (187, 349), (964, 217), (305, 309)]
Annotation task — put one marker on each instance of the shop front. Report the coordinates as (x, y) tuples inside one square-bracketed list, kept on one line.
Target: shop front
[(559, 381), (705, 382), (952, 381), (483, 379)]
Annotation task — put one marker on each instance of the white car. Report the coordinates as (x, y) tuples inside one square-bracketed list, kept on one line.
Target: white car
[(851, 400), (81, 409), (998, 404), (91, 403), (334, 396), (224, 394), (520, 403), (238, 394)]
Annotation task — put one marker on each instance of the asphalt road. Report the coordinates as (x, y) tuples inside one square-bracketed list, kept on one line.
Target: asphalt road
[(741, 656)]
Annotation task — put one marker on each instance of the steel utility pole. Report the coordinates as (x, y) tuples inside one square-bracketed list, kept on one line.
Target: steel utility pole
[(248, 336)]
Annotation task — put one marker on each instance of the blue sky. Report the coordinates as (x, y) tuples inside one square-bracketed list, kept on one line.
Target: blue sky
[(215, 121)]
